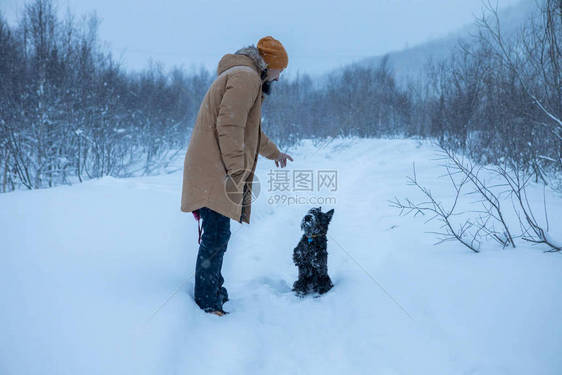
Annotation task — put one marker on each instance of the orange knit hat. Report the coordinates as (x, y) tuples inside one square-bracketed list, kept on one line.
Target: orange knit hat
[(273, 53)]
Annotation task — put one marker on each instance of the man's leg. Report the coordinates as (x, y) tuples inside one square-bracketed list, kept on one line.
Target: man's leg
[(208, 278), (223, 293)]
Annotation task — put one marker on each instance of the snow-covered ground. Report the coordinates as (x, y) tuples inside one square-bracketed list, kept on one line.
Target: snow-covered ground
[(97, 278)]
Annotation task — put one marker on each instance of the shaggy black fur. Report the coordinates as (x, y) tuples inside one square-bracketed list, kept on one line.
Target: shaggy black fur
[(266, 87), (311, 255)]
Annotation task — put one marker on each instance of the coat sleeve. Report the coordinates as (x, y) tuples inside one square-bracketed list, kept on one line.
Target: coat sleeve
[(239, 96), (268, 149)]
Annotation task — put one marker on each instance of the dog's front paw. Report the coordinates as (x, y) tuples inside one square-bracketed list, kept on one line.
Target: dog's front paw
[(300, 287), (300, 294), (298, 257)]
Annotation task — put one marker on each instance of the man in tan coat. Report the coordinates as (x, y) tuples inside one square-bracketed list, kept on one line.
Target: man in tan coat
[(222, 155)]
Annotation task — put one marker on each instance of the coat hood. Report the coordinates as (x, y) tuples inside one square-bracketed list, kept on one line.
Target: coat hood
[(248, 56)]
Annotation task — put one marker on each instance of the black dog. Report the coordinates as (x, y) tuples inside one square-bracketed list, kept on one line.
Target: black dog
[(311, 255)]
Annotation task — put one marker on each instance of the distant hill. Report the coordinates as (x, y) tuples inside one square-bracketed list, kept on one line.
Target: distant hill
[(410, 62)]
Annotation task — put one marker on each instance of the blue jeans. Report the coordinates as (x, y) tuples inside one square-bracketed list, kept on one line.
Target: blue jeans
[(209, 293)]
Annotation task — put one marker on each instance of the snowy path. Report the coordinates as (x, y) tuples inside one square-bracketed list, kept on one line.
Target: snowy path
[(97, 278)]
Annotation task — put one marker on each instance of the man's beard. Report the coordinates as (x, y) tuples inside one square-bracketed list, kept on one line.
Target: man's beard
[(266, 87)]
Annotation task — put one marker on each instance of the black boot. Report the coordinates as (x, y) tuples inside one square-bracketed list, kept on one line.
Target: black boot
[(224, 294)]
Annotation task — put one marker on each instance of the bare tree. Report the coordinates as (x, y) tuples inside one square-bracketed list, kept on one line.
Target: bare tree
[(491, 204), (467, 233), (532, 230), (473, 230), (535, 59)]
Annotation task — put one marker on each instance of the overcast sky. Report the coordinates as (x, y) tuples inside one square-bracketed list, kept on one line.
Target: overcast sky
[(318, 35)]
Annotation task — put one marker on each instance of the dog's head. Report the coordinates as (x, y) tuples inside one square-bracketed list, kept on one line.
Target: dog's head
[(316, 222)]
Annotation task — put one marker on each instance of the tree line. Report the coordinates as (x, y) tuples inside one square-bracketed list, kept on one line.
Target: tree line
[(68, 111), (496, 97)]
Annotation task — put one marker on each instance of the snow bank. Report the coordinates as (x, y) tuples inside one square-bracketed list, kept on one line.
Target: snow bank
[(97, 278)]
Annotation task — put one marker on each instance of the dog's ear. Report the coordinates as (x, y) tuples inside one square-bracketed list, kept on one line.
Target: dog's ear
[(329, 215)]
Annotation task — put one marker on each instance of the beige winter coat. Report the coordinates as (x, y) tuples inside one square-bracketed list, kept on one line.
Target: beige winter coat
[(222, 154)]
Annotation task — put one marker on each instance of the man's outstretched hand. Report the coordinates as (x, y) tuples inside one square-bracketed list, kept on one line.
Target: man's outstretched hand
[(281, 161)]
